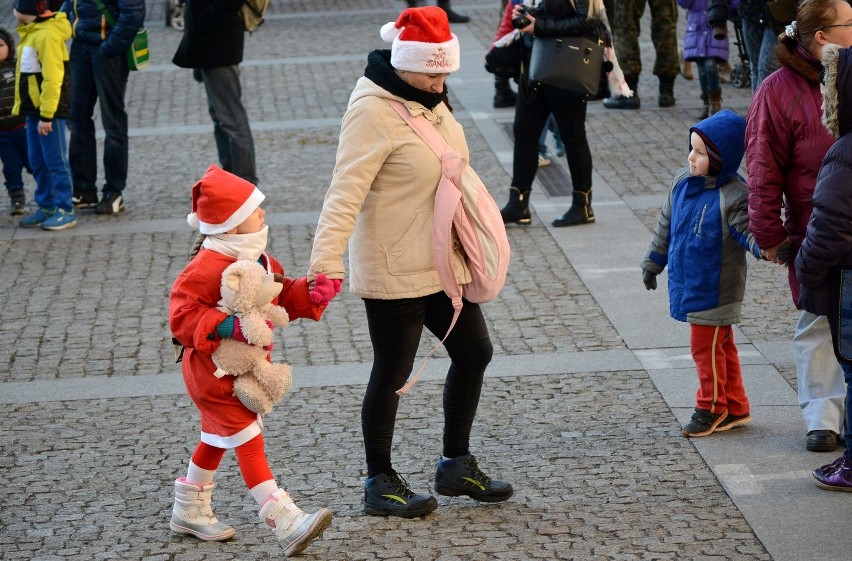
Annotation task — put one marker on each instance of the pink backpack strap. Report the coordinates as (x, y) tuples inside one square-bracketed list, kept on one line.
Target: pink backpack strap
[(452, 166)]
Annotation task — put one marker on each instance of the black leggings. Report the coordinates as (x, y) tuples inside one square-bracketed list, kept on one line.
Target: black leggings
[(395, 330), (530, 118)]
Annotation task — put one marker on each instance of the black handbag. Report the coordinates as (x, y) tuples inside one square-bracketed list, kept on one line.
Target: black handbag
[(505, 61), (571, 63)]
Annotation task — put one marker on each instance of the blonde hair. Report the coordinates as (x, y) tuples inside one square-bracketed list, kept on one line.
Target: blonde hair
[(197, 246)]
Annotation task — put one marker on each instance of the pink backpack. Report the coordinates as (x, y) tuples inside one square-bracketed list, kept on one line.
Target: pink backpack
[(462, 205)]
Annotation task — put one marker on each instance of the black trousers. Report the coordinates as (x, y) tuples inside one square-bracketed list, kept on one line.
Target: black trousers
[(395, 330), (530, 118)]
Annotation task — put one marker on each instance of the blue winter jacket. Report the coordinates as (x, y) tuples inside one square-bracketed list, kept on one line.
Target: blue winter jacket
[(702, 234), (89, 25)]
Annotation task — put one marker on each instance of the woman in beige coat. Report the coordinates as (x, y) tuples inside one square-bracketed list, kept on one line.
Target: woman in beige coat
[(381, 202)]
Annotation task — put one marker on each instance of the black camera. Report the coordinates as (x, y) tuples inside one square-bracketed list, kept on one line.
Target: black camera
[(521, 21)]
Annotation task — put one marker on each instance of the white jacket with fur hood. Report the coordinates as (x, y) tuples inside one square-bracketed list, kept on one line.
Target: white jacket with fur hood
[(382, 197)]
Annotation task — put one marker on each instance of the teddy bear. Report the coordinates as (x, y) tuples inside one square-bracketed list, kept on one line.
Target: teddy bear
[(247, 290)]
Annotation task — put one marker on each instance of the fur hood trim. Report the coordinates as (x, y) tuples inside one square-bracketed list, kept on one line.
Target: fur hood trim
[(830, 96)]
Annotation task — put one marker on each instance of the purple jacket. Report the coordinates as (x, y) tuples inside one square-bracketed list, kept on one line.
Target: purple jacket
[(698, 42)]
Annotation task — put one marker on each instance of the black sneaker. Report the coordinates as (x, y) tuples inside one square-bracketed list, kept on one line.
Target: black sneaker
[(462, 476), (703, 423), (112, 203), (389, 495), (18, 202), (85, 199)]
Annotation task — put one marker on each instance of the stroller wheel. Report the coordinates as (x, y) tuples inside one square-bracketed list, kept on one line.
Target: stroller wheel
[(739, 78), (175, 14)]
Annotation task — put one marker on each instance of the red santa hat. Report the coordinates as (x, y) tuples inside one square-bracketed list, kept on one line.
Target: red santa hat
[(221, 201), (422, 41)]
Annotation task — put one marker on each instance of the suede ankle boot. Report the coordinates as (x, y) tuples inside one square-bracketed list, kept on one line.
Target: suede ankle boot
[(580, 212), (517, 209), (715, 101)]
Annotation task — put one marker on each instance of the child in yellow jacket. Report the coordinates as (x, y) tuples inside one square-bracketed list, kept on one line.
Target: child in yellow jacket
[(42, 95)]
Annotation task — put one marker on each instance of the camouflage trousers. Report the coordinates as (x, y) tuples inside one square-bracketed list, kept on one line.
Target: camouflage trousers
[(625, 31)]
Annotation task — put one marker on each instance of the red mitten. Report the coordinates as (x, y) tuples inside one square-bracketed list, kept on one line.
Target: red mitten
[(324, 290)]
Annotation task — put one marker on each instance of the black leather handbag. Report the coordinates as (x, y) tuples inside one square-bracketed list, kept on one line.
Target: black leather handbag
[(571, 63)]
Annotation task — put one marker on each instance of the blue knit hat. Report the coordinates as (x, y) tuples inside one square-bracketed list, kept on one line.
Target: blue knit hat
[(30, 7)]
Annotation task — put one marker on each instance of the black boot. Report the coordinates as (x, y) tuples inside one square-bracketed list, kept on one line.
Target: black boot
[(454, 17), (666, 98), (411, 3), (517, 209), (622, 102), (503, 94), (580, 212)]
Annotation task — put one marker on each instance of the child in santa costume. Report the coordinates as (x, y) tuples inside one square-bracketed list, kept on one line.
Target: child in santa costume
[(226, 210)]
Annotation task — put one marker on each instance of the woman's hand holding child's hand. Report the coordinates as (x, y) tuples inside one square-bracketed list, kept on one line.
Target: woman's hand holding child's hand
[(324, 290)]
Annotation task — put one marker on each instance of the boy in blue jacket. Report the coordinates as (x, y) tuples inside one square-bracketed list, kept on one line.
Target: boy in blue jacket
[(702, 236)]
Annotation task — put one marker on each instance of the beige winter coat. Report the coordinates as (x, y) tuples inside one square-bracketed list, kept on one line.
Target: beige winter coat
[(381, 199)]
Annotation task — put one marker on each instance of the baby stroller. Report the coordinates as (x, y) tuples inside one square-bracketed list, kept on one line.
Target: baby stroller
[(741, 71)]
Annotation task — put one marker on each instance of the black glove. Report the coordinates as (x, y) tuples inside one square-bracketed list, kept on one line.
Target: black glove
[(650, 280), (784, 252)]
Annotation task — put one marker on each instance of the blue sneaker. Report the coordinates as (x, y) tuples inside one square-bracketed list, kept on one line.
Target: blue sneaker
[(36, 218), (61, 220), (389, 495), (462, 476)]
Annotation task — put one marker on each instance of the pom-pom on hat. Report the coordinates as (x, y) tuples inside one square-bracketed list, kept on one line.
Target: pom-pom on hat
[(30, 7), (221, 201), (421, 41)]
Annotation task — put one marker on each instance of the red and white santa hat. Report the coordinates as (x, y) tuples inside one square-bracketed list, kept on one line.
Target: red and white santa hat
[(422, 41), (221, 201)]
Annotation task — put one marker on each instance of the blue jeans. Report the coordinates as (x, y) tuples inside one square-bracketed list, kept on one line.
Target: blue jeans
[(103, 80), (847, 375), (49, 160), (230, 122), (708, 74), (822, 391), (759, 42), (13, 154)]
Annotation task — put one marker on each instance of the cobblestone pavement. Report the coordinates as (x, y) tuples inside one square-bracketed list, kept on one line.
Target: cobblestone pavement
[(599, 466)]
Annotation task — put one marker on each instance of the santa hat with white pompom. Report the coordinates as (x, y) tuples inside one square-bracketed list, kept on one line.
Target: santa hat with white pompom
[(421, 41), (221, 201)]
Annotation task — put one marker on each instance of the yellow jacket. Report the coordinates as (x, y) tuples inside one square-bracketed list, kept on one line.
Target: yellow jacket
[(42, 85)]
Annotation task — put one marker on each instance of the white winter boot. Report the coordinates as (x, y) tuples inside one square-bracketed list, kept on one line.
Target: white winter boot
[(193, 513), (293, 527)]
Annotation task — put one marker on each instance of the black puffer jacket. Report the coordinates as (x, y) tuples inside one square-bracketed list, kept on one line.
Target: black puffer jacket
[(213, 34), (7, 86), (827, 248), (89, 25)]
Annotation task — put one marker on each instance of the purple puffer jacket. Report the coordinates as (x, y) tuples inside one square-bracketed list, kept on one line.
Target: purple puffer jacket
[(698, 42)]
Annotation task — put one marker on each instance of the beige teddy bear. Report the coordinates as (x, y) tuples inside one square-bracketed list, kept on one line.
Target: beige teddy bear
[(247, 290)]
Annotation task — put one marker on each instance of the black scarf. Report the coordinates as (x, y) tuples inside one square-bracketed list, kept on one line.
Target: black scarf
[(380, 71)]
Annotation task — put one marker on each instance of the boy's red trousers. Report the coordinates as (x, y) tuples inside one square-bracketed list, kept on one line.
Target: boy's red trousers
[(718, 364)]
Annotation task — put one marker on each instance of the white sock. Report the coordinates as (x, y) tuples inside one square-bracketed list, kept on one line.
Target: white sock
[(262, 491), (199, 476)]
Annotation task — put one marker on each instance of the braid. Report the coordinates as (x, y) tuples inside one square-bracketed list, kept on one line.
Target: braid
[(197, 246)]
